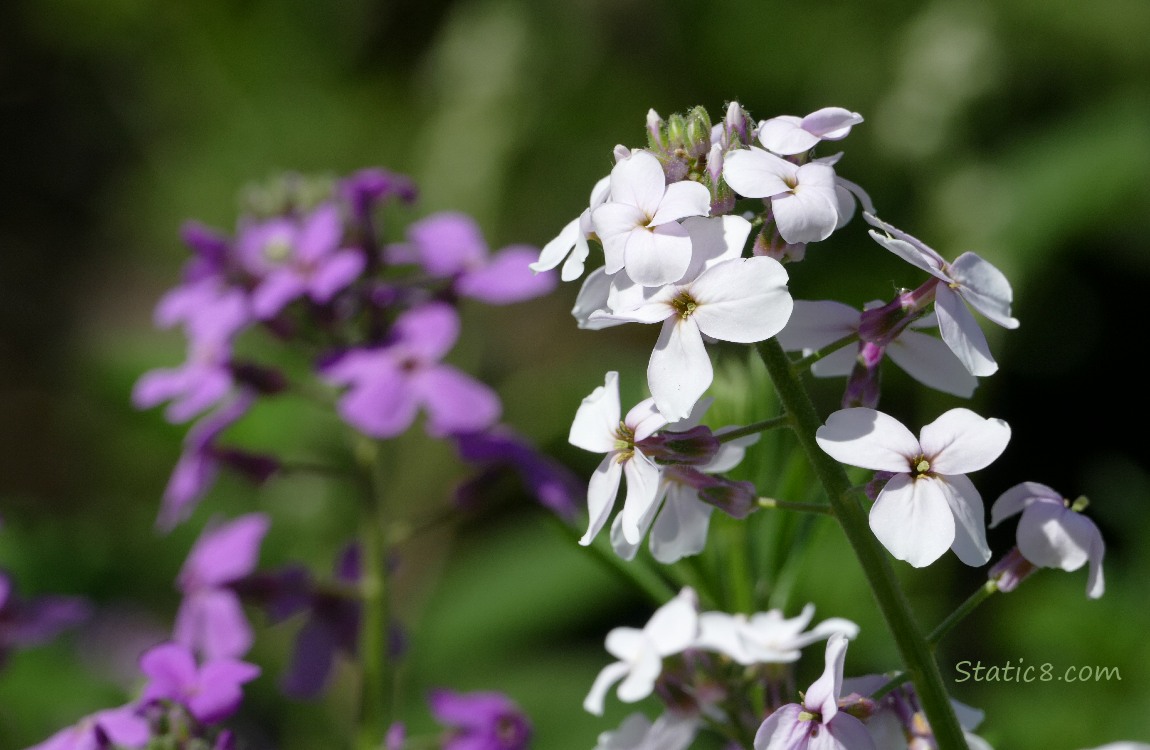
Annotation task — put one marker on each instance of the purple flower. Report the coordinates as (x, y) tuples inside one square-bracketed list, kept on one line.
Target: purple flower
[(29, 622), (210, 619), (368, 187), (388, 385), (450, 245), (122, 726), (210, 692), (500, 450), (480, 721), (210, 252), (200, 462), (293, 258)]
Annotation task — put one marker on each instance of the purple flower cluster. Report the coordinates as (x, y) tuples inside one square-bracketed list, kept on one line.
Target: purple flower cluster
[(311, 268)]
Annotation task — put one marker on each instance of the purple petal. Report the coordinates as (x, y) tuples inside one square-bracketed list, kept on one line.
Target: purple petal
[(277, 290), (428, 331), (319, 235), (455, 402), (212, 622), (219, 695), (508, 278), (312, 659), (448, 243), (171, 671), (225, 553), (335, 274)]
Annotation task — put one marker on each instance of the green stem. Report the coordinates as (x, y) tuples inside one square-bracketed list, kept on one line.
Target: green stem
[(770, 502), (912, 646), (373, 637), (752, 429), (889, 685), (958, 615), (803, 364)]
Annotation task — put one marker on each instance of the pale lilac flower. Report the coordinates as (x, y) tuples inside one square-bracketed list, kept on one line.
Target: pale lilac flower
[(598, 428), (1052, 533), (897, 721), (639, 225), (929, 504), (678, 520), (31, 621), (787, 135), (387, 386), (211, 619), (804, 199), (925, 358), (123, 727), (766, 637), (571, 244), (298, 257), (817, 723), (671, 629), (365, 189), (670, 731), (396, 736), (721, 295), (210, 691), (480, 721), (968, 279), (451, 246)]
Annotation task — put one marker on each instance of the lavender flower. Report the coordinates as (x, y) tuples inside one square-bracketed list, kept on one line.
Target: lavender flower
[(210, 692), (500, 450), (480, 721), (122, 726), (30, 622)]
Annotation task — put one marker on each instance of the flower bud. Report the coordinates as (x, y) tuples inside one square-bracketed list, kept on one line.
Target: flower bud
[(736, 124), (655, 137), (694, 447), (698, 133), (1011, 570)]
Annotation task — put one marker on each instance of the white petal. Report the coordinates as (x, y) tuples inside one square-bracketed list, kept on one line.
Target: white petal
[(714, 240), (754, 173), (831, 123), (556, 250), (808, 214), (638, 181), (913, 520), (960, 441), (614, 223), (600, 192), (969, 520), (659, 256), (823, 693), (813, 325), (869, 439), (1095, 582), (610, 674), (908, 247), (858, 193), (680, 371), (784, 135), (601, 492), (985, 288), (592, 298), (1053, 536), (641, 680), (730, 453), (598, 418), (619, 543), (680, 530), (836, 364), (675, 625), (719, 631), (931, 362), (961, 333), (682, 199), (743, 300), (1018, 497), (642, 491), (626, 643), (574, 265)]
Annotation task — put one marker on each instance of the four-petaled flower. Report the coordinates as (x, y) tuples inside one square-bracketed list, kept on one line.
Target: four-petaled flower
[(787, 135), (766, 637), (804, 199), (928, 505), (209, 691), (480, 721)]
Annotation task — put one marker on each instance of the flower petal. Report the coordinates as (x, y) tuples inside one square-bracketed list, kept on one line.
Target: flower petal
[(783, 730), (913, 520), (823, 694), (614, 223), (638, 181), (869, 439), (814, 324), (908, 247), (682, 199), (598, 418), (809, 213), (931, 362), (642, 493), (1018, 497), (743, 300), (675, 625), (679, 371), (601, 492), (969, 520), (680, 530), (831, 123), (1053, 536), (961, 333), (558, 248), (640, 681), (654, 257), (785, 135), (755, 173), (455, 402), (506, 278), (960, 441), (592, 298), (714, 240), (985, 288), (607, 677)]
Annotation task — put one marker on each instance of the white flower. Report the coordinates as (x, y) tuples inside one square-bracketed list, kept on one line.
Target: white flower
[(804, 199), (598, 428), (968, 279), (639, 225), (670, 630), (669, 732), (787, 134), (928, 360), (929, 505), (1052, 533), (678, 520), (742, 300), (572, 240), (766, 637)]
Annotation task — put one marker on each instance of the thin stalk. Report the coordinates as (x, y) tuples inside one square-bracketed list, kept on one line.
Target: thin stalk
[(821, 508), (803, 364), (374, 707), (755, 428), (981, 594), (913, 647), (889, 685)]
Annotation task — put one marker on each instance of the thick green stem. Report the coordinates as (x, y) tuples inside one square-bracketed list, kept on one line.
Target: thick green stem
[(374, 628), (913, 647), (978, 597)]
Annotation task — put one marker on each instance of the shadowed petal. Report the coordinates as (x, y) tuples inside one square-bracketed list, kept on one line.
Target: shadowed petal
[(913, 520), (960, 441), (961, 333), (969, 520), (869, 439), (679, 371)]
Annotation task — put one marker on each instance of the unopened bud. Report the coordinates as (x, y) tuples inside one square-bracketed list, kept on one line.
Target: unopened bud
[(693, 447), (1011, 570), (620, 153), (655, 137), (698, 133), (737, 125)]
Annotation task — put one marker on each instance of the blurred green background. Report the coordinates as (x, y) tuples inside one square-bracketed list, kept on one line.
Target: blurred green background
[(1019, 130)]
